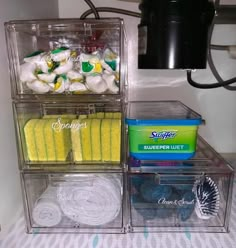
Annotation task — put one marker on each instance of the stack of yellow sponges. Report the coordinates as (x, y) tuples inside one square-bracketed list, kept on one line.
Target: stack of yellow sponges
[(47, 139), (98, 139), (95, 137)]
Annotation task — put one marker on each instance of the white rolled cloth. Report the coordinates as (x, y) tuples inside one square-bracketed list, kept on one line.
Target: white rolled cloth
[(46, 211), (95, 200)]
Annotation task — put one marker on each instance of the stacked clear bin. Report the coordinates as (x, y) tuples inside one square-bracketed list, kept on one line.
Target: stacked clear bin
[(68, 79), (176, 181)]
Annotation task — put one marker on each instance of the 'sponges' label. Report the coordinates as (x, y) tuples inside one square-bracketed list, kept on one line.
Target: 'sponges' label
[(58, 126)]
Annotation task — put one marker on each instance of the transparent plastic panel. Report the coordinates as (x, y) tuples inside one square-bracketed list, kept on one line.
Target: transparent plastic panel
[(66, 56), (161, 110), (206, 160), (178, 202), (81, 135), (85, 203)]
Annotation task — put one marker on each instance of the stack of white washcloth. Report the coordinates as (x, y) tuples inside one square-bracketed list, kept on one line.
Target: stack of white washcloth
[(92, 200), (46, 211)]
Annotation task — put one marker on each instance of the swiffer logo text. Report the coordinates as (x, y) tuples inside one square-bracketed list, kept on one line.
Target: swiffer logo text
[(163, 135)]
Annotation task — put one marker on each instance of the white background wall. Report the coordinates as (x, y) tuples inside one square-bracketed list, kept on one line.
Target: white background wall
[(10, 192), (218, 106)]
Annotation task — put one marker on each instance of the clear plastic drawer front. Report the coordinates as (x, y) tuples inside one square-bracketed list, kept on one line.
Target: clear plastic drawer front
[(168, 202), (69, 134), (86, 203), (67, 56)]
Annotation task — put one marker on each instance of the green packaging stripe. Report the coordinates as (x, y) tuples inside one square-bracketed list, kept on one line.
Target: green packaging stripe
[(162, 139), (87, 67), (34, 54), (58, 50), (112, 64), (64, 76)]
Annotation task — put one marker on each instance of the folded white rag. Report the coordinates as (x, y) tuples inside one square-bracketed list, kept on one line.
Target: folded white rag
[(92, 200), (46, 211)]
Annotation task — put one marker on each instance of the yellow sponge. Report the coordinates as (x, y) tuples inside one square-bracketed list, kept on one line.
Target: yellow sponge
[(40, 140), (117, 115), (44, 142), (115, 140), (30, 143), (62, 141), (100, 115), (96, 139), (107, 115), (106, 139), (50, 140), (76, 141), (83, 117), (91, 116), (86, 140)]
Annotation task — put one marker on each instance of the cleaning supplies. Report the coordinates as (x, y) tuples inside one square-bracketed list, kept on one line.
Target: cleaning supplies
[(164, 130), (47, 140), (63, 70), (92, 137), (98, 138)]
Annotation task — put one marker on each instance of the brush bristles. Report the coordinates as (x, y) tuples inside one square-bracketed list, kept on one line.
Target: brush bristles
[(207, 198)]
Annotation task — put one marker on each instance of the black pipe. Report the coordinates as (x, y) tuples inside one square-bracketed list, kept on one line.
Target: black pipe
[(173, 33), (225, 14)]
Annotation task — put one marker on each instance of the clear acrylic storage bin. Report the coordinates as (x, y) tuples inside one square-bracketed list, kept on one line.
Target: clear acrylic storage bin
[(66, 57), (69, 135), (71, 203), (180, 196)]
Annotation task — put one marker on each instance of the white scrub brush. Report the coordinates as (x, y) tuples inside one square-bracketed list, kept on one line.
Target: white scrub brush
[(207, 198)]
